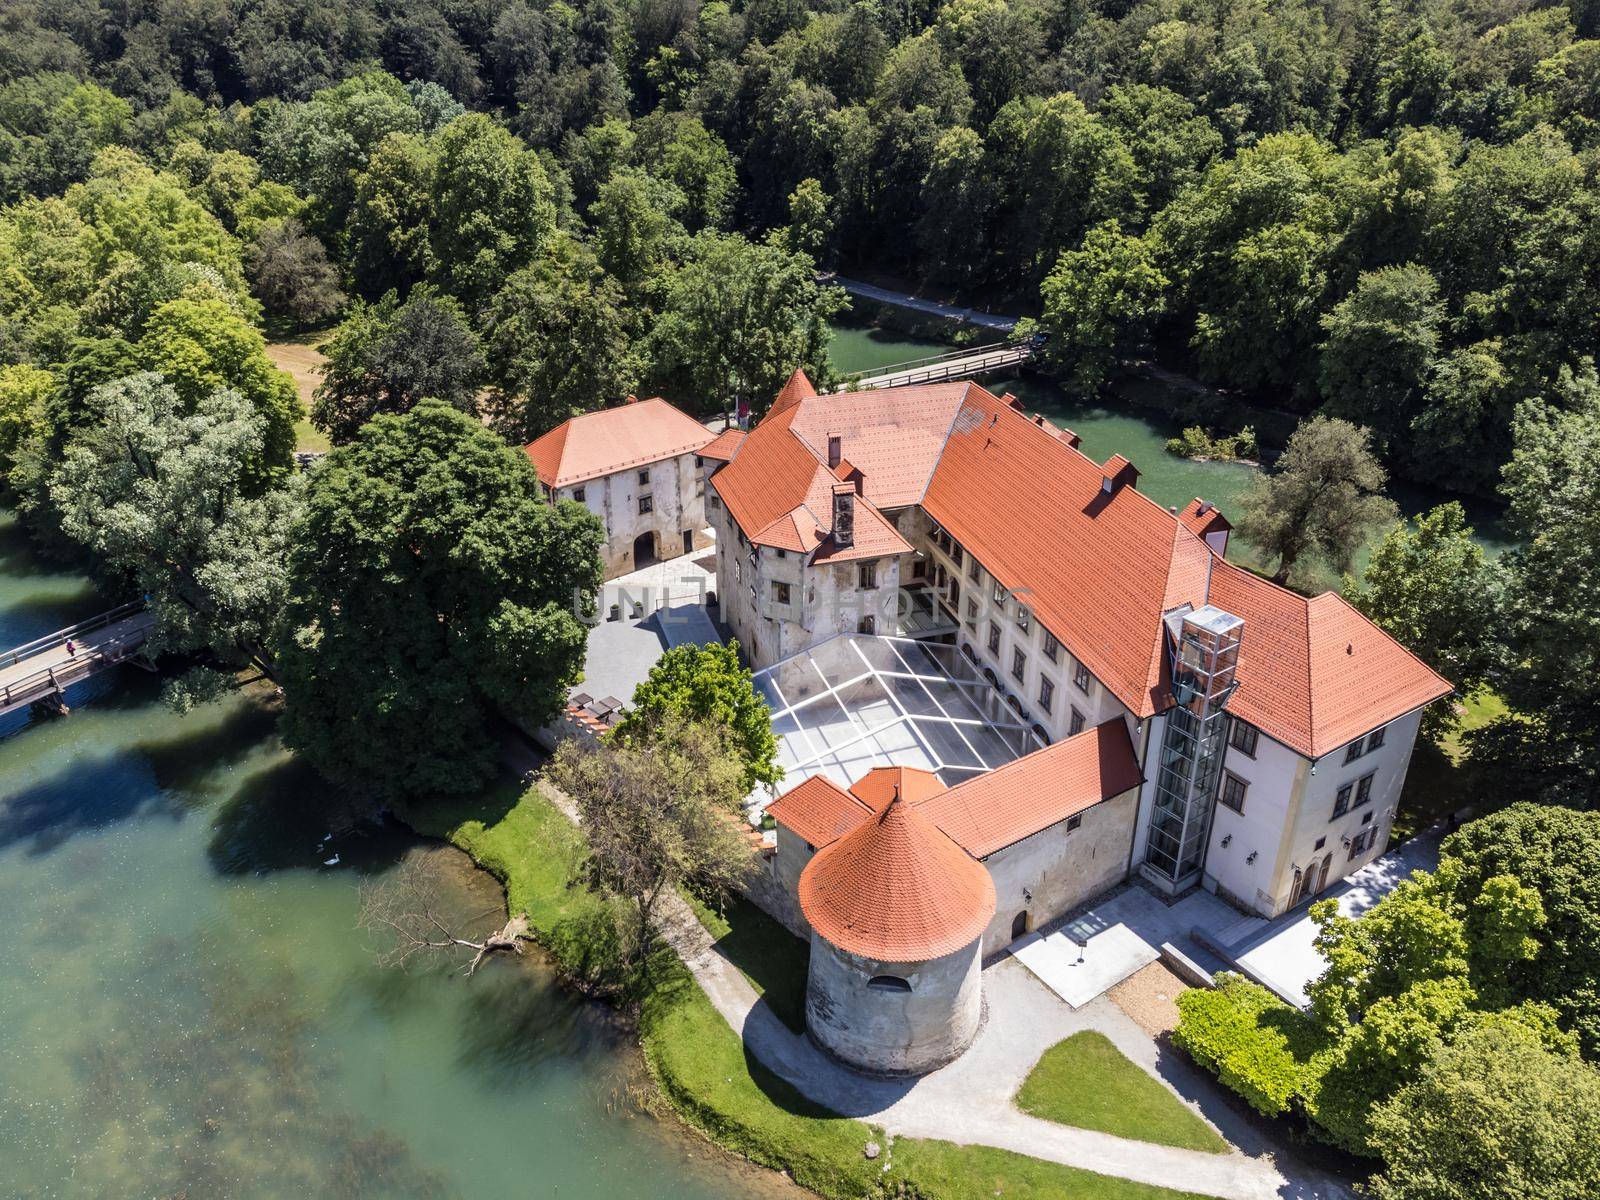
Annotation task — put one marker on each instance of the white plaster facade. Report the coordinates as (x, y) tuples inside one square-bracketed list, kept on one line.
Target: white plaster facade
[(663, 501)]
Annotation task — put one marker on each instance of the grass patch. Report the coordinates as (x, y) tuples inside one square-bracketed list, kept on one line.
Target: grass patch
[(1085, 1081), (767, 954), (1444, 778), (307, 437), (699, 1062)]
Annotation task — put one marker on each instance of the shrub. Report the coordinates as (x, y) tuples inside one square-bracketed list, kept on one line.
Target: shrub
[(1248, 1038)]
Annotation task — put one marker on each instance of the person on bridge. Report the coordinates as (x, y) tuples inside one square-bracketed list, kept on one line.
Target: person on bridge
[(72, 649)]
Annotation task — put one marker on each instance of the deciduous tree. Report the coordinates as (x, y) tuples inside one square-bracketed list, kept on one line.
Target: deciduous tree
[(430, 587), (1324, 496)]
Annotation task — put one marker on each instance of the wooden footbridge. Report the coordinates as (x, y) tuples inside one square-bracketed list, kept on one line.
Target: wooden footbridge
[(970, 363), (38, 672)]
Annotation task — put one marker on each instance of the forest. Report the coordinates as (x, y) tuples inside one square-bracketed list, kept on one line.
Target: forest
[(1383, 211)]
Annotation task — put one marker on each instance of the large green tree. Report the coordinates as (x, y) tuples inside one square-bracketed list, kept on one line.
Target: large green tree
[(558, 342), (1323, 496), (708, 684), (163, 492), (1429, 585), (387, 356), (739, 319), (1492, 1115), (430, 587), (1099, 302)]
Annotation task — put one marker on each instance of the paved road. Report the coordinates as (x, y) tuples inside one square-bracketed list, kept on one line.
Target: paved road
[(933, 308)]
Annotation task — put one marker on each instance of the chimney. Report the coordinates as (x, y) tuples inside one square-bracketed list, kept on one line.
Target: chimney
[(1070, 438), (844, 514), (835, 450)]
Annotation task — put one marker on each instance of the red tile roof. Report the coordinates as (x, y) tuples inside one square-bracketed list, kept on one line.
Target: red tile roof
[(1201, 517), (613, 439), (1098, 569), (880, 784), (999, 809), (722, 447), (1314, 673), (780, 493), (895, 889), (819, 810)]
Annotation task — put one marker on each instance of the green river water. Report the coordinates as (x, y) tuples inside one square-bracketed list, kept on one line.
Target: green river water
[(186, 1008)]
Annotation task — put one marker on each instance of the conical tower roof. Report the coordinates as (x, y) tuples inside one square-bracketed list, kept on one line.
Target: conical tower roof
[(896, 889)]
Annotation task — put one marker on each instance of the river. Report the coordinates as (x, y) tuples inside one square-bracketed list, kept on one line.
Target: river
[(186, 1007), (1140, 435)]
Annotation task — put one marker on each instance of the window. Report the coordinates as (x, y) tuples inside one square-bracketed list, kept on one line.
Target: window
[(1341, 802), (994, 638), (1355, 750), (999, 595), (1019, 665), (974, 570), (868, 575), (699, 462), (1051, 646), (646, 504), (644, 476), (1243, 738), (1023, 617), (1081, 678), (1375, 739), (867, 625), (972, 612), (1364, 790), (889, 983), (1363, 842), (919, 569), (1074, 822), (1047, 694), (1321, 842), (780, 592), (1233, 790), (1076, 727), (578, 494), (714, 500), (957, 554)]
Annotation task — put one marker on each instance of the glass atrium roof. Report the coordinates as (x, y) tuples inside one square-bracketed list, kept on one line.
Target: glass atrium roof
[(856, 702)]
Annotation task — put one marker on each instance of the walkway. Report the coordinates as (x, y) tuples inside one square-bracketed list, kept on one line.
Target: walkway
[(970, 1101), (932, 308), (42, 669), (941, 368), (1281, 954)]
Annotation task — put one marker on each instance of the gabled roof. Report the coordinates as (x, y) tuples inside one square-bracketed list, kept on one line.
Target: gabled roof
[(1202, 517), (990, 812), (780, 493), (722, 447), (1099, 569), (879, 785), (609, 440), (819, 810), (895, 889), (1313, 672), (797, 389)]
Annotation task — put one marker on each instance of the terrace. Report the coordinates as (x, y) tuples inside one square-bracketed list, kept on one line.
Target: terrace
[(856, 702)]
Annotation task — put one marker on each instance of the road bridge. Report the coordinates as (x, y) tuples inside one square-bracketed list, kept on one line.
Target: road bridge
[(41, 670)]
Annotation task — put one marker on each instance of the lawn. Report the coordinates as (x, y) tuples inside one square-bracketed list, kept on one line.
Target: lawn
[(767, 954), (700, 1063), (1443, 778), (1087, 1082)]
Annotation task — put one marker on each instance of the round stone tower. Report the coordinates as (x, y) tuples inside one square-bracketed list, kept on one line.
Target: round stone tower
[(897, 913)]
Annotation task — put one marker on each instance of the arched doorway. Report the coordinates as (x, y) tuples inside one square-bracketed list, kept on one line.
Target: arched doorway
[(644, 550), (1021, 924)]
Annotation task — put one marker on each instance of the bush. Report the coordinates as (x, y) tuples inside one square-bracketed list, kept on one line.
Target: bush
[(1248, 1038), (1197, 443)]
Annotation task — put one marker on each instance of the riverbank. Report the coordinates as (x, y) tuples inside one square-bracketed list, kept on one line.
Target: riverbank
[(698, 1061)]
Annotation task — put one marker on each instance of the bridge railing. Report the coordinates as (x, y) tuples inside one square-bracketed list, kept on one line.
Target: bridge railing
[(50, 641), (941, 368), (931, 359)]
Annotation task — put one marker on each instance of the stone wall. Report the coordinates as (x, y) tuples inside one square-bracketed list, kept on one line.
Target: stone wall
[(1056, 870), (676, 487), (888, 1030)]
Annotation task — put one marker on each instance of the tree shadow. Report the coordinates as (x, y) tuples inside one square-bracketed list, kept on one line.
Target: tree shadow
[(287, 817), (518, 1020), (85, 797)]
